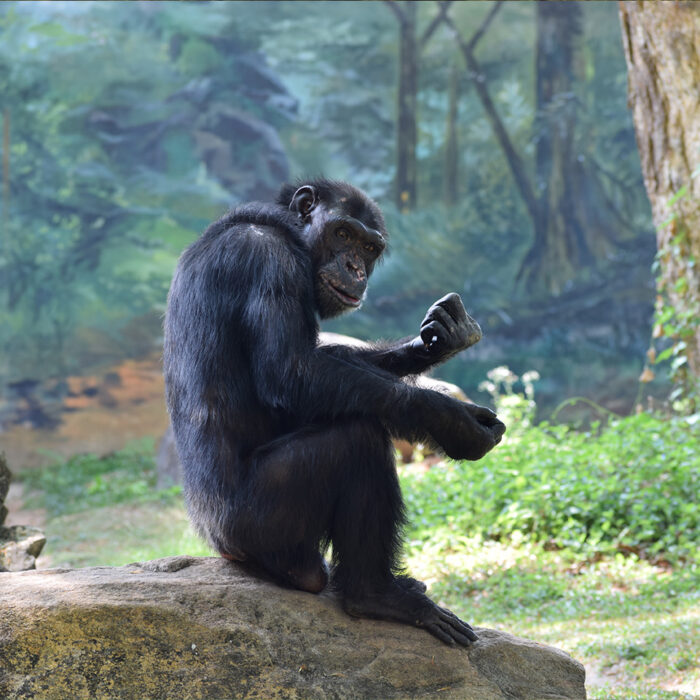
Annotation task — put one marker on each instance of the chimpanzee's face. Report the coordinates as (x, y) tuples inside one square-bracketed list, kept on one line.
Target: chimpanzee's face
[(344, 250)]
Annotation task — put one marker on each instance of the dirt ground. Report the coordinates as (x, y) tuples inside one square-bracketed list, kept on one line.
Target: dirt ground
[(103, 413)]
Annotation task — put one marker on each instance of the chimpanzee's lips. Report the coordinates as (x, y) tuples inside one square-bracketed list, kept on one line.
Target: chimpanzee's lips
[(346, 298)]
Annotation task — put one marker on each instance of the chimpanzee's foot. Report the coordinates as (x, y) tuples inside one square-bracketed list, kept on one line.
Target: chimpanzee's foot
[(409, 605), (409, 583)]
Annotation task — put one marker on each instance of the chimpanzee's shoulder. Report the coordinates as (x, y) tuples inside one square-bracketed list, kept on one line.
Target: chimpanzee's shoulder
[(257, 219)]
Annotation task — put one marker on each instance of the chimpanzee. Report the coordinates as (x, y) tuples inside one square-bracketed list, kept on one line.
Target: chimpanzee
[(286, 444)]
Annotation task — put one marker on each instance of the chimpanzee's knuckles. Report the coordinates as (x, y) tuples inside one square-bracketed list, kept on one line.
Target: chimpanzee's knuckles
[(452, 303), (437, 313)]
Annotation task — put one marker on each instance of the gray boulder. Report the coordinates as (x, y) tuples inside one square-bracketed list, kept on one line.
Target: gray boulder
[(186, 627), (19, 545)]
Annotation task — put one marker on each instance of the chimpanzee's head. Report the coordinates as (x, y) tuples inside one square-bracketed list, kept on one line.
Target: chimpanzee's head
[(346, 235)]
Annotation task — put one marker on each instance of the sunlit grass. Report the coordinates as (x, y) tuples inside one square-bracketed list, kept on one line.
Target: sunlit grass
[(629, 622)]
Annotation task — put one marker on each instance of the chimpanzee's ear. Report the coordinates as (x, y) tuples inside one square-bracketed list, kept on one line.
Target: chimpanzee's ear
[(304, 201)]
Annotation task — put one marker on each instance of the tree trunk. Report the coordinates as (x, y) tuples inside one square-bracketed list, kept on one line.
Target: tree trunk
[(6, 166), (407, 101), (560, 248), (662, 47), (451, 174)]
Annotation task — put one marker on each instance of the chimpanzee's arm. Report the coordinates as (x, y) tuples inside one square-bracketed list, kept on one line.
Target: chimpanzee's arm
[(446, 330), (292, 374)]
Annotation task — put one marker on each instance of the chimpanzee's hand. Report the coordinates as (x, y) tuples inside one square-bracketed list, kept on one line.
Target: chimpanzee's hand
[(447, 328), (467, 431)]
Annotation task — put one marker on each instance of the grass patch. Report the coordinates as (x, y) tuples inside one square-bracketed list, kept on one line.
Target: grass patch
[(107, 511), (628, 621), (121, 534), (607, 693), (584, 540), (86, 481)]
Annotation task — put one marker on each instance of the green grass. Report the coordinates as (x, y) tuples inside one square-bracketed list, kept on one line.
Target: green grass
[(87, 481), (587, 541), (108, 511)]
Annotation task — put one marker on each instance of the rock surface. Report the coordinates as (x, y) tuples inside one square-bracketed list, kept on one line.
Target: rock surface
[(19, 545), (186, 627)]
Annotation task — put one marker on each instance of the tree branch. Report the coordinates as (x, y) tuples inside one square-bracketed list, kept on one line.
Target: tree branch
[(471, 44), (394, 6), (476, 76), (443, 7)]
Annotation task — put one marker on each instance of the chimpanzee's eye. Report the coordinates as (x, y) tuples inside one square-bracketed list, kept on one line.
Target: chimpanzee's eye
[(370, 247), (342, 233)]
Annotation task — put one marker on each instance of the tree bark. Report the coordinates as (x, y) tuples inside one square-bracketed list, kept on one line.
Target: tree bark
[(662, 47), (560, 247)]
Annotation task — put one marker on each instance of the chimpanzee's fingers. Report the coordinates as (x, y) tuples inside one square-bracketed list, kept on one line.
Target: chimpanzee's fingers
[(432, 334), (482, 414), (474, 333), (452, 303), (437, 313), (460, 638)]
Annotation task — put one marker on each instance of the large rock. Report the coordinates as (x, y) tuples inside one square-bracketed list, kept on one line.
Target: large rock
[(186, 627)]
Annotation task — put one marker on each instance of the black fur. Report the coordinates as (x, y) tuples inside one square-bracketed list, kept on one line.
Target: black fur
[(285, 444)]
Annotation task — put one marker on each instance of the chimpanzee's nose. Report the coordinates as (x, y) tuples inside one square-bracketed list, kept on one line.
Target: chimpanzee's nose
[(355, 269)]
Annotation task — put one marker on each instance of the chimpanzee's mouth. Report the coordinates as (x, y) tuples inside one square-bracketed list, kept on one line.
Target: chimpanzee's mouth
[(346, 298)]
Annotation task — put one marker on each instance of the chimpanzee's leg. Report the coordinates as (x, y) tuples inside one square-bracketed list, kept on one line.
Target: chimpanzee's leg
[(292, 497), (334, 482)]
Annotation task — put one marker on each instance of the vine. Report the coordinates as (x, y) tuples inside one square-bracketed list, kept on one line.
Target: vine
[(677, 310)]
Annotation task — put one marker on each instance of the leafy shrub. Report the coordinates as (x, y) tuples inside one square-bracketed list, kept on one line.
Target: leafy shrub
[(631, 485)]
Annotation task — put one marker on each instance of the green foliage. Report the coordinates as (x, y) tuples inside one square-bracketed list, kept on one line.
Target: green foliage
[(107, 178), (631, 485), (677, 309), (514, 409), (115, 169), (608, 693), (87, 481)]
